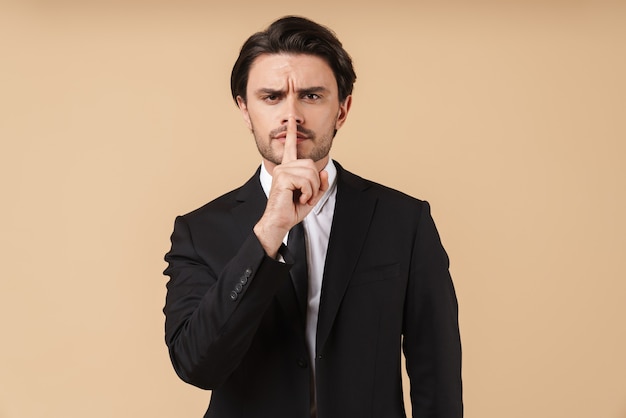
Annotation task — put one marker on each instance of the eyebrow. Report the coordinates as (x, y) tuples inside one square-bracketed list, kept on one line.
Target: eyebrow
[(316, 89), (307, 90)]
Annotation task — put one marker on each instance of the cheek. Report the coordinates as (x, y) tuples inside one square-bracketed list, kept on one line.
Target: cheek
[(260, 128), (322, 117), (256, 121), (262, 119)]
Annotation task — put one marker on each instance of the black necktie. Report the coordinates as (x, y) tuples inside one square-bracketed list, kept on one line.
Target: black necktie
[(299, 271)]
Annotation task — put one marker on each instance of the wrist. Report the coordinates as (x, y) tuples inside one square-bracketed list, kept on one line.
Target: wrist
[(270, 238)]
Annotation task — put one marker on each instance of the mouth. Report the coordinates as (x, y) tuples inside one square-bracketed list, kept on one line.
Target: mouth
[(302, 134), (282, 137)]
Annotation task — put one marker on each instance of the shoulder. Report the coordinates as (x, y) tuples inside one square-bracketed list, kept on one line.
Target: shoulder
[(225, 203), (347, 179), (219, 204)]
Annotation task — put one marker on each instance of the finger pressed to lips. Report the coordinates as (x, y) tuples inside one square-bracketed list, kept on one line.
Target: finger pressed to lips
[(290, 152)]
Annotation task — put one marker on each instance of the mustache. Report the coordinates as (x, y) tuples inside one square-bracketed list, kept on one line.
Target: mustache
[(307, 132)]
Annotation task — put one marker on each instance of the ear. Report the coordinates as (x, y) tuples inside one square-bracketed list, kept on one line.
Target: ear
[(243, 108), (344, 108)]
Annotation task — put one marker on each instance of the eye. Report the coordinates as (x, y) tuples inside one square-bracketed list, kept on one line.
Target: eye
[(312, 96), (270, 98)]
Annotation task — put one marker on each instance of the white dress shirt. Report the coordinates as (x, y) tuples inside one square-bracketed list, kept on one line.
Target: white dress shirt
[(316, 232)]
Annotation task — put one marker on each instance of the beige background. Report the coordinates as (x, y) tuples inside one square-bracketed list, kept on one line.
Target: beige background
[(509, 117)]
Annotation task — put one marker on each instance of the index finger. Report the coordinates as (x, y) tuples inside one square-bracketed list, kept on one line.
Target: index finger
[(290, 152)]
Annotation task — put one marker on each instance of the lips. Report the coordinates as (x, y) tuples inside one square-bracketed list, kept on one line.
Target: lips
[(302, 134), (283, 136)]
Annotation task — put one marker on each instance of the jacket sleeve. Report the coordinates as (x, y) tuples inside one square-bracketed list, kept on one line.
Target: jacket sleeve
[(212, 316), (432, 343)]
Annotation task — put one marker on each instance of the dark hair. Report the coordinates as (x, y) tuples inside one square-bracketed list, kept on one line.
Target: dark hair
[(297, 35)]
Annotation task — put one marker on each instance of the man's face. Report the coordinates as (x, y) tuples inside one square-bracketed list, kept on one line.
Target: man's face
[(303, 87)]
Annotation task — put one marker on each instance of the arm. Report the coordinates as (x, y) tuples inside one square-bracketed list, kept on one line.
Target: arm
[(211, 317), (432, 343)]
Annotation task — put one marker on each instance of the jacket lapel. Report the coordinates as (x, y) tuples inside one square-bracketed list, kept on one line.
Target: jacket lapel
[(351, 220), (251, 201)]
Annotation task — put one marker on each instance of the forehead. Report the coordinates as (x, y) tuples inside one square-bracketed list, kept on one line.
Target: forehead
[(280, 70)]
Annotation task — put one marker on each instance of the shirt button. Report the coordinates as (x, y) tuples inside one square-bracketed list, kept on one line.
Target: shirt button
[(234, 295)]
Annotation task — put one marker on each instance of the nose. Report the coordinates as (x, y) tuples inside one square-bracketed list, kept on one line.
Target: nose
[(292, 110)]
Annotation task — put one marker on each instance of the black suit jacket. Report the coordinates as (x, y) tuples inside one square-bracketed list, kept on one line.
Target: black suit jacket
[(233, 323)]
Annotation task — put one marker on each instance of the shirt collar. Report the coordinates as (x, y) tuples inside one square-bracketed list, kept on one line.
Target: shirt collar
[(266, 182)]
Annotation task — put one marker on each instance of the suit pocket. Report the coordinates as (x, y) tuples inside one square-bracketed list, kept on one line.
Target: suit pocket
[(372, 274)]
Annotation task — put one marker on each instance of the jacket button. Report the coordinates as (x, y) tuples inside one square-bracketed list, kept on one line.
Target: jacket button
[(238, 287), (234, 295), (302, 363), (243, 280), (248, 272)]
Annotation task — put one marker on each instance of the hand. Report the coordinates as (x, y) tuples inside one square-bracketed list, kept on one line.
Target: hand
[(297, 186)]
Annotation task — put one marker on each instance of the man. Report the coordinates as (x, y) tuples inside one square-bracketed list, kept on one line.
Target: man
[(313, 328)]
